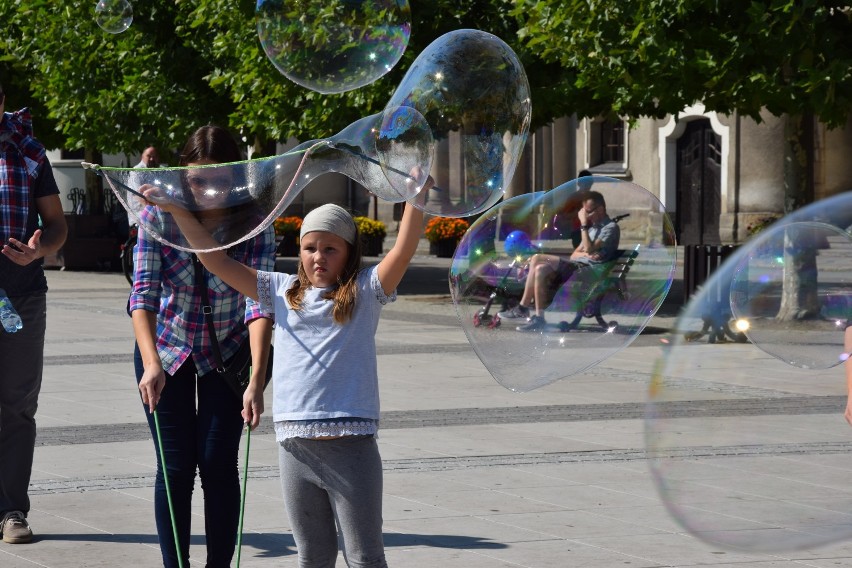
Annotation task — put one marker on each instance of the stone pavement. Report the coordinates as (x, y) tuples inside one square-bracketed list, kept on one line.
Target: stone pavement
[(475, 475)]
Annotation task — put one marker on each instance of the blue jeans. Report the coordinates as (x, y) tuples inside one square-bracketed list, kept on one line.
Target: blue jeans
[(21, 362), (206, 438)]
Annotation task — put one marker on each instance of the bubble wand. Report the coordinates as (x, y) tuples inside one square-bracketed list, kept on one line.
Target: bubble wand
[(243, 496), (168, 491)]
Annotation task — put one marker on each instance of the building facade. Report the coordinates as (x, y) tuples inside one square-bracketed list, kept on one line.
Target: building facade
[(714, 174)]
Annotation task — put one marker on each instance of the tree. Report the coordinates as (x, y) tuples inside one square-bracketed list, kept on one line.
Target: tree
[(271, 107), (181, 64), (654, 57)]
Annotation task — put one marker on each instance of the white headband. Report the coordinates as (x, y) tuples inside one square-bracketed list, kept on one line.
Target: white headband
[(332, 219)]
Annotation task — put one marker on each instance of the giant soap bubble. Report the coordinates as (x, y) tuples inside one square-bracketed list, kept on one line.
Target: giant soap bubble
[(748, 444), (597, 311), (246, 197), (390, 153), (332, 46)]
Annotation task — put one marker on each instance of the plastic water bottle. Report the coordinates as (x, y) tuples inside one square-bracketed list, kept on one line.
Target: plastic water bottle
[(8, 316)]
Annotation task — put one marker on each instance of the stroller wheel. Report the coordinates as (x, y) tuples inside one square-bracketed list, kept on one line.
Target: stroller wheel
[(482, 317)]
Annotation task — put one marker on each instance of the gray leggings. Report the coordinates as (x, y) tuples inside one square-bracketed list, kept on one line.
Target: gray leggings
[(332, 485)]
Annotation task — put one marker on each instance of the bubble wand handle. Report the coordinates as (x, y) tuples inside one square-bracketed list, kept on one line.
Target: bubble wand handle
[(379, 163), (168, 490), (97, 169), (243, 496)]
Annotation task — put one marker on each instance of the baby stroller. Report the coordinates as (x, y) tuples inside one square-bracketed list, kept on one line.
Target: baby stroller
[(505, 279)]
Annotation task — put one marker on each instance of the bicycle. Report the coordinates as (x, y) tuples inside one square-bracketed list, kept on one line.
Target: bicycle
[(126, 255)]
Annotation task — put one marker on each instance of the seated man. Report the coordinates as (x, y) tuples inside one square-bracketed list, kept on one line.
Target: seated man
[(599, 243)]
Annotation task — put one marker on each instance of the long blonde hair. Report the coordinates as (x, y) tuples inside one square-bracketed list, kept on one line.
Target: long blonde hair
[(343, 295)]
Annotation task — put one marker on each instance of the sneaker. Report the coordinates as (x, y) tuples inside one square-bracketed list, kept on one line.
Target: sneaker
[(15, 528), (536, 323), (519, 312)]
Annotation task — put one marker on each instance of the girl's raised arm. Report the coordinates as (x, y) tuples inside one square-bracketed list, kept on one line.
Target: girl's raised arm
[(393, 266), (235, 274)]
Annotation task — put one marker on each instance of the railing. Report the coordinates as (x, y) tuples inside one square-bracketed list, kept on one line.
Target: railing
[(699, 263)]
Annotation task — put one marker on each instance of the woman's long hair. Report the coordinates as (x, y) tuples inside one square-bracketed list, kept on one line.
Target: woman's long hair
[(216, 144), (210, 143), (343, 295)]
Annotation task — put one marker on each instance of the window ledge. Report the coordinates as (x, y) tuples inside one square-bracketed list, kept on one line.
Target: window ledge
[(611, 169)]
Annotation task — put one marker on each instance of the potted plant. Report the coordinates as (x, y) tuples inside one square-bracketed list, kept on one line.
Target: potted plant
[(373, 233), (287, 234), (443, 234)]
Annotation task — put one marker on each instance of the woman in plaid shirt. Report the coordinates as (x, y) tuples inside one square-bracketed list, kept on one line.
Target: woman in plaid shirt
[(175, 363)]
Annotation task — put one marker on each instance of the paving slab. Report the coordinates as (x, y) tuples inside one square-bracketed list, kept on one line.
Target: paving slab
[(475, 475)]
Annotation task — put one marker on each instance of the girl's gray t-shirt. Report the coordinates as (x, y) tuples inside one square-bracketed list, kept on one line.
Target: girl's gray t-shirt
[(323, 369)]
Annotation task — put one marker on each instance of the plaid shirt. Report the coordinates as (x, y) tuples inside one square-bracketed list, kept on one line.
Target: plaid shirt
[(164, 283), (20, 157)]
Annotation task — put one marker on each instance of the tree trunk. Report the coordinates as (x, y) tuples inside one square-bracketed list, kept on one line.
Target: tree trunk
[(263, 147), (94, 183), (799, 298), (799, 294)]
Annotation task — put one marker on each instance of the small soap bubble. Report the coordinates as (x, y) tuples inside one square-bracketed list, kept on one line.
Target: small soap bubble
[(595, 308), (745, 433), (114, 16), (333, 46)]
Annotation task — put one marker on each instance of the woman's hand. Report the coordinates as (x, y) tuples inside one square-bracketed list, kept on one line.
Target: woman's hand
[(158, 196), (151, 385), (253, 402)]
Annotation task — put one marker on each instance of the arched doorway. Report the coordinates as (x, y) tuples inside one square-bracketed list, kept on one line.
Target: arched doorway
[(698, 192)]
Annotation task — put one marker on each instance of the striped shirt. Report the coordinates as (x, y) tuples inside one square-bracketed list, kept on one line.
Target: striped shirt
[(164, 283)]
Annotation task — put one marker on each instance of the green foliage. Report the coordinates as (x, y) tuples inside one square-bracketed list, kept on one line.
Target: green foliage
[(185, 63), (111, 92), (653, 57), (182, 64)]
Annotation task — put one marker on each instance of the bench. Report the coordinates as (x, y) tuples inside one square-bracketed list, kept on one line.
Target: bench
[(507, 285), (612, 280)]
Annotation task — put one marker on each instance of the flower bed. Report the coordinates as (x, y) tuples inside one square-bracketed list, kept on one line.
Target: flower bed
[(445, 228)]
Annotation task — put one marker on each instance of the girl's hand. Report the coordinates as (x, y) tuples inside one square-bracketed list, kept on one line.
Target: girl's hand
[(151, 386), (253, 403)]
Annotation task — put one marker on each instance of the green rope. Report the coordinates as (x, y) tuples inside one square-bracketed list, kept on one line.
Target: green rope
[(243, 496), (168, 491)]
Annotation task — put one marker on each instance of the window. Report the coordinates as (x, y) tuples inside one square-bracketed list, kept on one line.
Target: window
[(606, 147), (612, 141)]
